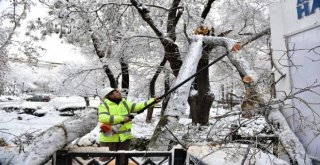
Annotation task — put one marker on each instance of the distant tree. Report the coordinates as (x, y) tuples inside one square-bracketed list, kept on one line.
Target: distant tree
[(11, 16), (79, 79), (29, 79)]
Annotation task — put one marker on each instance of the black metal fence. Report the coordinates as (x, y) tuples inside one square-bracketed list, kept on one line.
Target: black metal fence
[(92, 156)]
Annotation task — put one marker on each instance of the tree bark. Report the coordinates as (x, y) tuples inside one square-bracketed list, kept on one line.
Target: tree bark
[(125, 76), (206, 9), (204, 98), (192, 101), (100, 51), (86, 99), (166, 89), (152, 88), (112, 79), (200, 103), (178, 99), (172, 53)]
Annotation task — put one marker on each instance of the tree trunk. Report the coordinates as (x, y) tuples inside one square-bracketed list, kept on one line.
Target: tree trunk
[(172, 54), (86, 99), (100, 51), (166, 89), (125, 76), (200, 103), (192, 101), (178, 99), (152, 88), (112, 80)]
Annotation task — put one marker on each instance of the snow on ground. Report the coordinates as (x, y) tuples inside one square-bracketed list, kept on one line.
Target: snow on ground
[(233, 154), (25, 126), (14, 124)]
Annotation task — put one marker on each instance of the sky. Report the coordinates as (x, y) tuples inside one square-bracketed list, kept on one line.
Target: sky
[(59, 51)]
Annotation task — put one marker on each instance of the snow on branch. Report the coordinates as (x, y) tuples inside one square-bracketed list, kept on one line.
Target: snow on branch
[(222, 41), (256, 36), (238, 61), (146, 17), (178, 99)]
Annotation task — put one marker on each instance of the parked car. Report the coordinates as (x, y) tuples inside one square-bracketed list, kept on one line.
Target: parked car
[(42, 98)]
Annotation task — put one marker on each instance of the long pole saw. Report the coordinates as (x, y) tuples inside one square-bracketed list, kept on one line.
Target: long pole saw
[(183, 82)]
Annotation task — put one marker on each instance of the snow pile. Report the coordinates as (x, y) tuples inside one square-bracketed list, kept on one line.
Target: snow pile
[(9, 98), (141, 129), (232, 154), (58, 102)]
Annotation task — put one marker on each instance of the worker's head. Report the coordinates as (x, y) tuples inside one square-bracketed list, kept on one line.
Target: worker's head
[(111, 93), (114, 95)]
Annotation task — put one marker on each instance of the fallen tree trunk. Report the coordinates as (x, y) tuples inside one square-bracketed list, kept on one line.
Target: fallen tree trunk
[(54, 139)]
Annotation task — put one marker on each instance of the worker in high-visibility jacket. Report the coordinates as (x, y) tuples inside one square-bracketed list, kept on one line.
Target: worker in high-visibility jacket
[(115, 118)]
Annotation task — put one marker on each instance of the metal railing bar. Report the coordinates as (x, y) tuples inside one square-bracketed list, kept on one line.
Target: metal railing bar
[(75, 158), (130, 158)]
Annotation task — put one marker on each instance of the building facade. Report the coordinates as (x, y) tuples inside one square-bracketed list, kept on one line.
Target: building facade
[(295, 35)]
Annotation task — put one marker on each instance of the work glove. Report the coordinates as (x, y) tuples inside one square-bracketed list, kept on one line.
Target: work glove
[(105, 128), (128, 118), (131, 117), (157, 99)]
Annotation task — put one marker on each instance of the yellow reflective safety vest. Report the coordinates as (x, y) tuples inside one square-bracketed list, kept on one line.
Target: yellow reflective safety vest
[(112, 113)]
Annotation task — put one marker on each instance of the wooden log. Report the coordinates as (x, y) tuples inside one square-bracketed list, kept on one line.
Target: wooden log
[(55, 138)]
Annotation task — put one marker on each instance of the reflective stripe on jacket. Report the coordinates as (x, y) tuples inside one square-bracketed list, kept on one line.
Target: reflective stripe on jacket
[(112, 113)]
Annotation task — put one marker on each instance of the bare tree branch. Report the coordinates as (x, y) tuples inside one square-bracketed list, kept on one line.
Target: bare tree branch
[(255, 37), (146, 17), (206, 9)]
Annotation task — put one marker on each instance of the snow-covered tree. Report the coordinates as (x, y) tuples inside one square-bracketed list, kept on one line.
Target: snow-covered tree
[(26, 79), (11, 15), (102, 30), (79, 79)]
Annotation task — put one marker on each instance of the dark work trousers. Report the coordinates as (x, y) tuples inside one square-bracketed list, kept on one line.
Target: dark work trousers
[(116, 146)]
